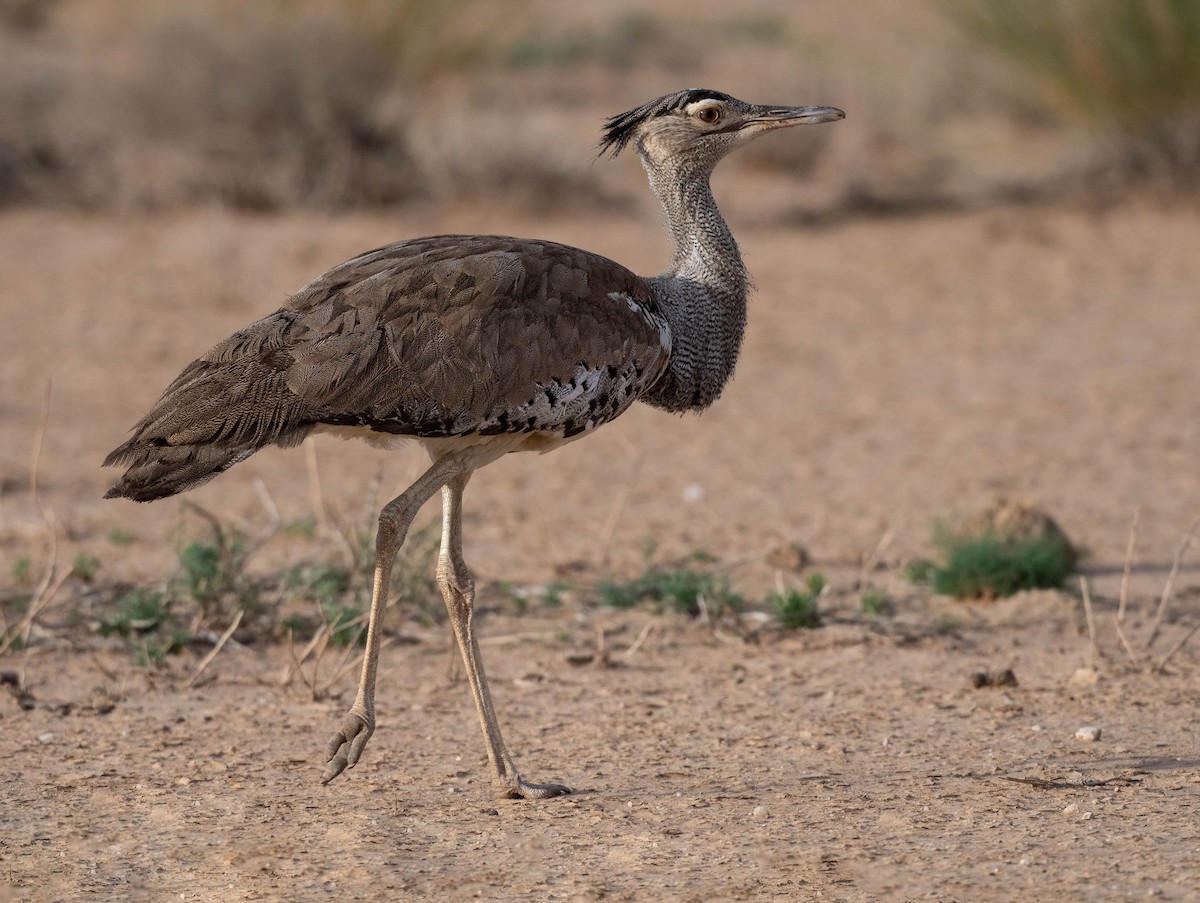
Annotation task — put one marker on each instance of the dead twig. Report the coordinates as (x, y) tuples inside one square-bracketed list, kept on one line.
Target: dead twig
[(316, 498), (1091, 620), (273, 519), (321, 640), (49, 586), (868, 563), (1171, 652), (1125, 642), (212, 653), (1169, 588), (615, 512), (36, 455), (1124, 597), (601, 655), (345, 664), (1043, 784), (285, 679), (641, 638), (348, 665)]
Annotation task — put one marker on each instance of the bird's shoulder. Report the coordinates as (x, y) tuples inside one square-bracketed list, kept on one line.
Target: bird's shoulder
[(436, 274)]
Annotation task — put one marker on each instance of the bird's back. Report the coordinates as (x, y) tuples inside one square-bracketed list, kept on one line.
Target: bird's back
[(436, 337)]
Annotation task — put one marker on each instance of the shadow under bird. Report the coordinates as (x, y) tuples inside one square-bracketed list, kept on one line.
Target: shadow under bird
[(475, 346)]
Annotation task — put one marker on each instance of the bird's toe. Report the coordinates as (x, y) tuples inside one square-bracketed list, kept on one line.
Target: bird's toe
[(528, 790), (346, 745)]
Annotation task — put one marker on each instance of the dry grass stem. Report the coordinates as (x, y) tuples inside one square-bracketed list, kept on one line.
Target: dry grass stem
[(1171, 652), (36, 454), (868, 563), (1125, 642), (1169, 588), (600, 657), (100, 666), (285, 679), (274, 522), (36, 607), (637, 644), (212, 653), (361, 620), (47, 588), (508, 639), (316, 498), (311, 683), (1133, 530), (1091, 619), (615, 512)]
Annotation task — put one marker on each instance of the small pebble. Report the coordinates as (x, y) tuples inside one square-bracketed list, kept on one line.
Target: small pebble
[(1084, 677), (1071, 809), (1089, 732), (759, 812), (1087, 816), (47, 738), (1004, 678)]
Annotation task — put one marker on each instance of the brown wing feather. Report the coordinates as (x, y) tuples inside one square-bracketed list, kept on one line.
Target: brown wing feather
[(448, 335)]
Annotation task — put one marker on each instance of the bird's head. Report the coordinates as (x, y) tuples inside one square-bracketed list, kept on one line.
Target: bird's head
[(700, 125)]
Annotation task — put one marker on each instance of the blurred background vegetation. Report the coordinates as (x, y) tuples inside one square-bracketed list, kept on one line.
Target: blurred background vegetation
[(133, 105)]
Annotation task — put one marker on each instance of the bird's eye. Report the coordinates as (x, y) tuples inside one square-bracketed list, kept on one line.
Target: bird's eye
[(709, 115)]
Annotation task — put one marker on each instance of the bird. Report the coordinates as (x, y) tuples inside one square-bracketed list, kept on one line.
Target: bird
[(474, 347)]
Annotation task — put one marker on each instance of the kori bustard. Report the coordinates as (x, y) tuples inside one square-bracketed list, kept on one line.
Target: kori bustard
[(475, 346)]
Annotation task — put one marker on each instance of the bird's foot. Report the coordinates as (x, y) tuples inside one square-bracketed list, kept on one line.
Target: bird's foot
[(521, 789), (347, 743)]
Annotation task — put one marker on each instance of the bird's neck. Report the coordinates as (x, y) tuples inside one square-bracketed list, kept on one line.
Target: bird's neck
[(702, 293)]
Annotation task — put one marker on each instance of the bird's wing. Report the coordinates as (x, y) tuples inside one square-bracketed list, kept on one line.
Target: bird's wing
[(453, 335)]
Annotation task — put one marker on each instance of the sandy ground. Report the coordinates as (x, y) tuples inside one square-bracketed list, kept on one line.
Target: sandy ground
[(895, 373)]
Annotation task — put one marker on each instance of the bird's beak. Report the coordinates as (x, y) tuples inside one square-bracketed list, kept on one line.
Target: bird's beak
[(776, 117)]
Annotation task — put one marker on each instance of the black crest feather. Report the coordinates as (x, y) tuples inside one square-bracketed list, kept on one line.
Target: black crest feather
[(619, 129)]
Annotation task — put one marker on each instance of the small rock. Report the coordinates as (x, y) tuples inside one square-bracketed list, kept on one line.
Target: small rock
[(47, 738), (1084, 677), (1087, 816), (759, 812), (1071, 809), (790, 557), (1089, 733), (1004, 678)]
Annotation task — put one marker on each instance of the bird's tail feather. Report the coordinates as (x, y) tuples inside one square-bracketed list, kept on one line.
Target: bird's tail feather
[(216, 413), (155, 472)]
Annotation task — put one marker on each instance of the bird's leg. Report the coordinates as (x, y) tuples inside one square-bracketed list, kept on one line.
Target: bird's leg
[(346, 745), (458, 589)]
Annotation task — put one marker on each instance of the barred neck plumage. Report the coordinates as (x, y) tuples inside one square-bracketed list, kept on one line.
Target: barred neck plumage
[(703, 293)]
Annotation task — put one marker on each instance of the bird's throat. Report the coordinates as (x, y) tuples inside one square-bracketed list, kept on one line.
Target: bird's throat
[(702, 293)]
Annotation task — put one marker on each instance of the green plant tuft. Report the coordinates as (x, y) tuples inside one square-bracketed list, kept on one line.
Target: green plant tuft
[(797, 609), (919, 571), (213, 572), (22, 570), (874, 602), (993, 566), (153, 652), (687, 591), (85, 567), (120, 537), (138, 611)]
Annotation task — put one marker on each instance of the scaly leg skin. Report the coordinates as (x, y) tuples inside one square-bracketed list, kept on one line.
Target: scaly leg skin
[(346, 745), (458, 591)]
